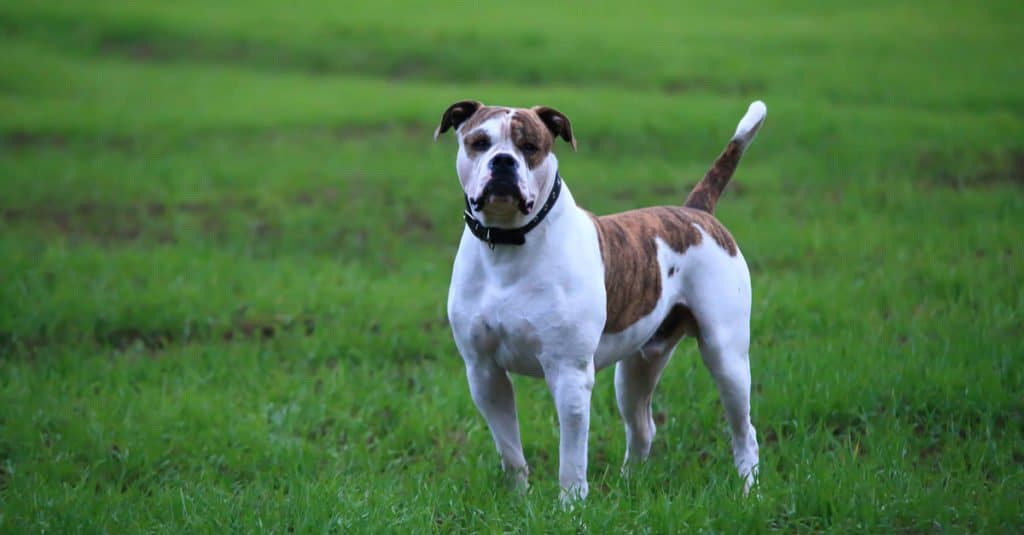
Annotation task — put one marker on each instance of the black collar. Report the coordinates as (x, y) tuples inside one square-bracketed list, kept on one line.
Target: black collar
[(511, 236)]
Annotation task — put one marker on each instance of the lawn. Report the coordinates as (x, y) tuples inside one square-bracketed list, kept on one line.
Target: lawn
[(226, 238)]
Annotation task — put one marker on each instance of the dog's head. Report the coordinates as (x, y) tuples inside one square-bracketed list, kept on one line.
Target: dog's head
[(505, 157)]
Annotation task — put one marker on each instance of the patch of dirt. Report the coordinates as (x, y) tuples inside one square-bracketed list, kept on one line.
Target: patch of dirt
[(340, 133), (268, 328), (135, 49), (7, 343), (128, 337), (734, 188), (152, 47), (675, 193), (846, 425), (986, 170), (431, 325), (690, 85), (111, 223), (12, 345), (624, 195), (772, 435), (22, 140), (931, 450), (103, 223), (150, 340), (321, 430), (409, 69), (25, 140), (417, 223), (156, 44)]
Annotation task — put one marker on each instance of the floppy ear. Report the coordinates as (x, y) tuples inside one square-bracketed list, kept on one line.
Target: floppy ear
[(456, 114), (557, 122)]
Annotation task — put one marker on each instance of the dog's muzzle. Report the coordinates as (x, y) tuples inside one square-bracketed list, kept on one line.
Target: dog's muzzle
[(504, 182), (503, 186)]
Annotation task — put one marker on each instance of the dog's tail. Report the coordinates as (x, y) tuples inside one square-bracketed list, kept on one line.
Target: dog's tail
[(705, 194)]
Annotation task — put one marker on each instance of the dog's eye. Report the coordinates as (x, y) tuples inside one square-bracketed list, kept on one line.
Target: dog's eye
[(481, 144), (529, 148)]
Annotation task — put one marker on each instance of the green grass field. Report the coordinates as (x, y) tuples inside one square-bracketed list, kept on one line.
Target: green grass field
[(226, 238)]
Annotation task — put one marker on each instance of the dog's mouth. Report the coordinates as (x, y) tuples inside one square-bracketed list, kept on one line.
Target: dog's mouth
[(503, 189)]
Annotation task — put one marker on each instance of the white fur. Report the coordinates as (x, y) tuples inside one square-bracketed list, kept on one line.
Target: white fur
[(539, 310), (750, 123)]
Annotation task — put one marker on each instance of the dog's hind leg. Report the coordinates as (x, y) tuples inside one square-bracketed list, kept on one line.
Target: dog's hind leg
[(493, 395), (635, 380), (720, 297), (724, 349), (637, 376)]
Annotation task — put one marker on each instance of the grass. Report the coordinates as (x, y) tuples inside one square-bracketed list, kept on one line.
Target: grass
[(226, 242)]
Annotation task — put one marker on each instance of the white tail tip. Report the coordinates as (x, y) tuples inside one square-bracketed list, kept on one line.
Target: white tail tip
[(750, 123)]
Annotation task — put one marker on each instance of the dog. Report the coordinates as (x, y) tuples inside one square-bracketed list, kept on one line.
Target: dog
[(543, 288)]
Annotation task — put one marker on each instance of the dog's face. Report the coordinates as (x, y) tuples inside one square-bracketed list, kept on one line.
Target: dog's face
[(505, 157)]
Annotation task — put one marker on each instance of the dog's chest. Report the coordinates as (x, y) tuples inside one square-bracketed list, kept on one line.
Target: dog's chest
[(500, 327), (521, 307)]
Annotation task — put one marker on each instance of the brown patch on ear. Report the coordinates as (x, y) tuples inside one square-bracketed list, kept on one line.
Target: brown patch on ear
[(527, 129), (456, 114), (557, 123), (632, 275)]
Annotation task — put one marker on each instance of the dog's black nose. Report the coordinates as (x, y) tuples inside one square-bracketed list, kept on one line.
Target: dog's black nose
[(503, 162)]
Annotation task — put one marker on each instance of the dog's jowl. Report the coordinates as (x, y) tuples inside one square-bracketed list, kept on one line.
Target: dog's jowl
[(544, 288)]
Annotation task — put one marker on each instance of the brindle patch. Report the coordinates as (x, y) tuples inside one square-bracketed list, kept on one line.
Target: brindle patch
[(706, 193), (632, 275), (528, 130)]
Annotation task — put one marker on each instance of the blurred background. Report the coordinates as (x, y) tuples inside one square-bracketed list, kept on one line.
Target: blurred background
[(226, 237)]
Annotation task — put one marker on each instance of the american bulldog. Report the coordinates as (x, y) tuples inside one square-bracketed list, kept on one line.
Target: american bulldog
[(543, 288)]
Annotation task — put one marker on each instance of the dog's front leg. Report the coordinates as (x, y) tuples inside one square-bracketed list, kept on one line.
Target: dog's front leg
[(571, 384), (492, 392)]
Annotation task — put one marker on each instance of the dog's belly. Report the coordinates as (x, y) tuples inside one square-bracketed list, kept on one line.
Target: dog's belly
[(615, 346)]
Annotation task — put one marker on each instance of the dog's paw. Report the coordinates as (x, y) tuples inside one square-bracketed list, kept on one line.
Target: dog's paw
[(751, 488), (518, 479), (631, 463), (572, 495), (520, 485)]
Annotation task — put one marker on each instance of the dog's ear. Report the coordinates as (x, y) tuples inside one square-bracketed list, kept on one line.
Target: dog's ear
[(456, 114), (557, 122)]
